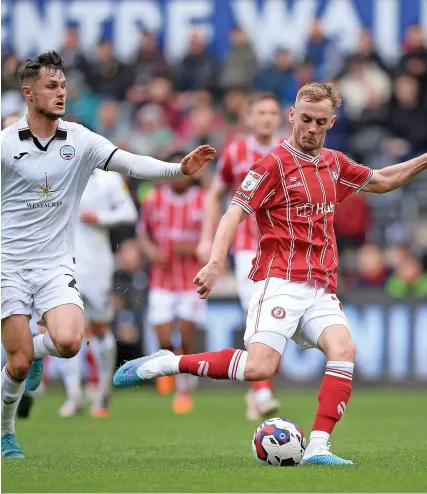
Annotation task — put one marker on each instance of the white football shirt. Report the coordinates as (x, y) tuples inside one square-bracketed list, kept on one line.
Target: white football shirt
[(107, 195), (41, 188)]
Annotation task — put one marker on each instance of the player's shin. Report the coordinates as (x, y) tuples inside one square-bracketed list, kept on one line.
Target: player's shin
[(11, 393), (334, 395), (104, 349), (71, 375), (225, 364), (44, 345)]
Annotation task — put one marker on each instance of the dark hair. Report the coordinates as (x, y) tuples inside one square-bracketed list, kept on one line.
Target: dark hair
[(255, 98), (30, 69)]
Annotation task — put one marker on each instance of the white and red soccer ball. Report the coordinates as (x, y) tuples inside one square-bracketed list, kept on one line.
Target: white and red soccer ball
[(279, 442)]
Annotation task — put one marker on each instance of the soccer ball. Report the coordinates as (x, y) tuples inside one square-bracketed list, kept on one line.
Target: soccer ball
[(279, 442)]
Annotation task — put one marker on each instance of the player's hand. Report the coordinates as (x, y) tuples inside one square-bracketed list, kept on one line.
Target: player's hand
[(203, 251), (196, 159), (89, 217), (206, 279)]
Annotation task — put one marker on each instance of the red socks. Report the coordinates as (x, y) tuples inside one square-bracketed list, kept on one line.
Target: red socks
[(226, 364), (334, 394), (267, 384)]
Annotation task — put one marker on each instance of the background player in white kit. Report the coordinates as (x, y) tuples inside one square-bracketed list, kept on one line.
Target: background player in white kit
[(105, 204), (46, 163), (263, 119)]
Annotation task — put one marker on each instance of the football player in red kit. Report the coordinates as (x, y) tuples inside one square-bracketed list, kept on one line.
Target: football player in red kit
[(293, 191), (169, 231)]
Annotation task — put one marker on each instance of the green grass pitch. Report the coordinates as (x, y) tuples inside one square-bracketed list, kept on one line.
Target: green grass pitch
[(144, 447)]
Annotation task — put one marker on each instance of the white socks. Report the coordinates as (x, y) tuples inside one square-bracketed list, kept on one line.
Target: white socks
[(11, 393), (186, 383), (318, 441), (71, 376), (105, 351), (236, 369), (262, 395), (43, 346)]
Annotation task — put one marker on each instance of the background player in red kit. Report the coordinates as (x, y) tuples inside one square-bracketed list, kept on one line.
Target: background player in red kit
[(263, 119), (169, 231), (294, 191)]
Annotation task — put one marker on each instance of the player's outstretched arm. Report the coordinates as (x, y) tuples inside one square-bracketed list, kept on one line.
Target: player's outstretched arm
[(395, 176), (145, 167), (224, 237)]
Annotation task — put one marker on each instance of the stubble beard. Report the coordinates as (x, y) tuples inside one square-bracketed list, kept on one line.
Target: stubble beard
[(48, 114)]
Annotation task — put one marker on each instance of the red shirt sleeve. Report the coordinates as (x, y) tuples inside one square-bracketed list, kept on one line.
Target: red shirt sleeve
[(259, 185), (225, 168), (352, 177)]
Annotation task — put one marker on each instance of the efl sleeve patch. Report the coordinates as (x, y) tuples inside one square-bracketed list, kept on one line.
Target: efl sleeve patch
[(251, 181)]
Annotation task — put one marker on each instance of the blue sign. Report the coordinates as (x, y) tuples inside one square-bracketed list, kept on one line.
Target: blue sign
[(391, 341), (31, 27)]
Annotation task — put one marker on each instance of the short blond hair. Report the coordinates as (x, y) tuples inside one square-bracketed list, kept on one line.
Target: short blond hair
[(318, 92)]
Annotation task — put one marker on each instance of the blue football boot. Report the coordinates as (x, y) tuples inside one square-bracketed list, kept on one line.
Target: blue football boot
[(141, 369), (10, 447), (325, 457)]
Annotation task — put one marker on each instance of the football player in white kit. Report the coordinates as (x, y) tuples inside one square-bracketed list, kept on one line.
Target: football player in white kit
[(105, 204), (46, 163)]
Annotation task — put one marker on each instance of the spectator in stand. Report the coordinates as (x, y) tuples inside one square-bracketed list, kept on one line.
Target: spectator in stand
[(278, 76), (151, 134), (149, 61), (73, 57), (9, 71), (108, 77), (414, 60), (82, 103), (197, 69), (160, 92), (202, 126), (365, 52), (368, 130), (110, 122), (407, 119), (408, 280), (371, 269), (240, 64), (234, 112), (317, 49), (362, 82), (304, 74)]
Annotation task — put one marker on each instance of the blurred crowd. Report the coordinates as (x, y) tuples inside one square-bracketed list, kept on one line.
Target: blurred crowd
[(153, 107)]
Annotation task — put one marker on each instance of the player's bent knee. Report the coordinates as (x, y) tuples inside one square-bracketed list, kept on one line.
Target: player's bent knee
[(344, 352), (18, 365), (68, 347)]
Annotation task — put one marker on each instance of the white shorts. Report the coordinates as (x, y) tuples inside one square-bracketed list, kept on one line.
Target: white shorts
[(245, 286), (38, 289), (165, 306), (97, 298), (282, 310)]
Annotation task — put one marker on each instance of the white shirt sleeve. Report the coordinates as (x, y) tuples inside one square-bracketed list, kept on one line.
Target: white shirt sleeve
[(142, 166), (122, 209), (99, 150)]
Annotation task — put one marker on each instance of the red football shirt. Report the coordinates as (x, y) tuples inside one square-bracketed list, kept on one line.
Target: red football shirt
[(233, 166), (293, 196), (171, 218)]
